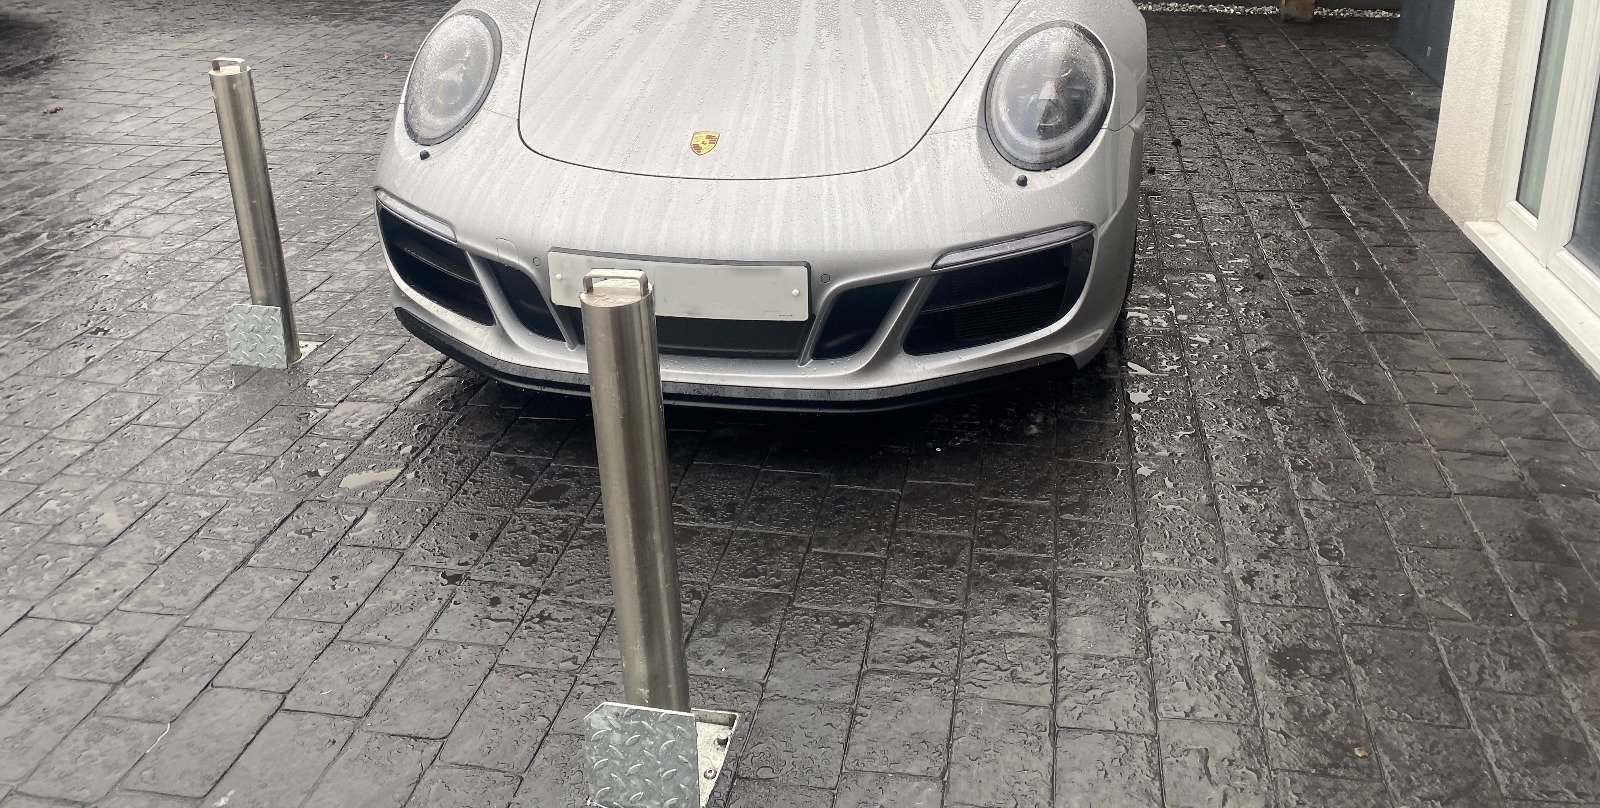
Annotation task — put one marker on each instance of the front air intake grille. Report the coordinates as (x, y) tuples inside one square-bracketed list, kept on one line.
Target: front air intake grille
[(854, 318), (1000, 299), (434, 267), (729, 339), (527, 302)]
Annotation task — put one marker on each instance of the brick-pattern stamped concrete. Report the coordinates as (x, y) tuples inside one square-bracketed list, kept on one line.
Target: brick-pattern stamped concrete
[(1319, 531)]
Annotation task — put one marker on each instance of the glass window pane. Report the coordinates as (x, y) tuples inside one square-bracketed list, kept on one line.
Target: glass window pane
[(1586, 231), (1542, 119)]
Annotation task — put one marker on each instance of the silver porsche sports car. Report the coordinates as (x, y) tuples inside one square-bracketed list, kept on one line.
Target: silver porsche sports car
[(852, 204)]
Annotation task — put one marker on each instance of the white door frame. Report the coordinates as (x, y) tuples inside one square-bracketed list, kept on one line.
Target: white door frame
[(1533, 251), (1548, 235)]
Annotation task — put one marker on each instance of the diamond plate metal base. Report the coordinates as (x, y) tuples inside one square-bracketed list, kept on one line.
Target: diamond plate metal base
[(256, 338), (645, 758)]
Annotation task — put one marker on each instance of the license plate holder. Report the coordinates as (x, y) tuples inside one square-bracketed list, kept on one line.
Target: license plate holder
[(711, 291)]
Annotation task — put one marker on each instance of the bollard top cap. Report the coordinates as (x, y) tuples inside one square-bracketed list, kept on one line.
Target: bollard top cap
[(228, 66), (615, 287)]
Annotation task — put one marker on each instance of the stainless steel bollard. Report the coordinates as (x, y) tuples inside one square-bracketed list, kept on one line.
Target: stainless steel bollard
[(619, 329), (263, 333), (651, 751)]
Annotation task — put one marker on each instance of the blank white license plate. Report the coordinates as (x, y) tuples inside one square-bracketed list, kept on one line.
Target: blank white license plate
[(708, 291)]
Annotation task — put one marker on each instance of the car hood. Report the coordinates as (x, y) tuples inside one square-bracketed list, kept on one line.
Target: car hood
[(792, 88)]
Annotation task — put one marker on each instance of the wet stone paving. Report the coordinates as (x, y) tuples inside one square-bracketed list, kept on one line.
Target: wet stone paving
[(1319, 530)]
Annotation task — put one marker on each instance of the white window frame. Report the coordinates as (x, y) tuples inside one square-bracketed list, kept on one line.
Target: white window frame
[(1532, 253), (1547, 236)]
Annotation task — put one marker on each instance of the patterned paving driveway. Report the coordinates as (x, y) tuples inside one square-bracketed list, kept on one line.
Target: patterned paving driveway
[(1320, 533)]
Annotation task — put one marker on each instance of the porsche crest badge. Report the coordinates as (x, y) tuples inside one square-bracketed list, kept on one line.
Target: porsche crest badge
[(703, 142)]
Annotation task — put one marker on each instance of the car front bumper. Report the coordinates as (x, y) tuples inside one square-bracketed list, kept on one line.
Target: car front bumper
[(501, 203)]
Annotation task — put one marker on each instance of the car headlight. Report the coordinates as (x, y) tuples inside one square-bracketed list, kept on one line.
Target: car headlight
[(451, 76), (1048, 97)]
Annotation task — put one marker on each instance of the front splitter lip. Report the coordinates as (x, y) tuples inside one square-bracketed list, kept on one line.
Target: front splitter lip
[(822, 400)]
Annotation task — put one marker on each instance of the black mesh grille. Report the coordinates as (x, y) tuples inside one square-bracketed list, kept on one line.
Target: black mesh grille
[(740, 339), (527, 302), (854, 318), (1001, 299), (434, 267)]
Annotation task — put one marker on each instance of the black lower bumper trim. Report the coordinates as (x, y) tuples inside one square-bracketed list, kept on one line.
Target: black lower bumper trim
[(735, 397)]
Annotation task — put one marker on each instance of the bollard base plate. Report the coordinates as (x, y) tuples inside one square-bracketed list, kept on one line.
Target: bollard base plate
[(256, 338), (641, 757), (714, 736)]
